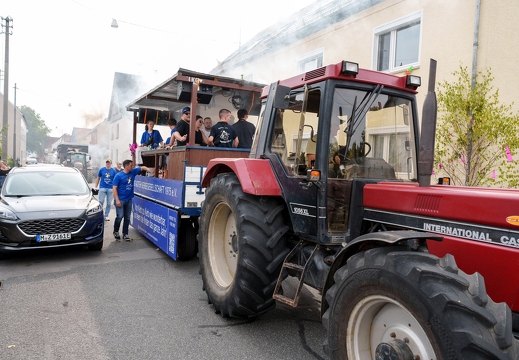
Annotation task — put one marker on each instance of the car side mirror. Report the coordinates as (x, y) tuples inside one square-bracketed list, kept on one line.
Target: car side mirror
[(95, 191)]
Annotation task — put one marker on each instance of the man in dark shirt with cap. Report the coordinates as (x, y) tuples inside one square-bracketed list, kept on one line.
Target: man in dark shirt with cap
[(181, 133)]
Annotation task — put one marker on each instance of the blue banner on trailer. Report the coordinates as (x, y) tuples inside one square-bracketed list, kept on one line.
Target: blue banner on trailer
[(158, 223), (169, 192)]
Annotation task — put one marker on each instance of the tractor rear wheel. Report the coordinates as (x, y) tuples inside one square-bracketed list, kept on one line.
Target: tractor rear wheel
[(393, 302), (242, 247)]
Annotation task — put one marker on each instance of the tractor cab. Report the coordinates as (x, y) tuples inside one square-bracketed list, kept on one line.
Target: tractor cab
[(333, 134)]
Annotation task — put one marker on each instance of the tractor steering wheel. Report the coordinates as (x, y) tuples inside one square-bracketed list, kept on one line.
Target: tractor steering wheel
[(369, 149), (342, 153)]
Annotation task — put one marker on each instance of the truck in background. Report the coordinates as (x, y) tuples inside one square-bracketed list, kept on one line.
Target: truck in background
[(75, 155)]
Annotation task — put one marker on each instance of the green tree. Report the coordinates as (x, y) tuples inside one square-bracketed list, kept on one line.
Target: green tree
[(476, 135), (37, 131)]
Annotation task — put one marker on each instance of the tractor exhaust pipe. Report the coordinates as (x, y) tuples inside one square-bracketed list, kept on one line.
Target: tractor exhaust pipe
[(427, 136)]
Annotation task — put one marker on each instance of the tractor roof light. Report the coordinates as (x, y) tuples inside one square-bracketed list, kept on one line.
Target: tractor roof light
[(350, 68), (413, 81)]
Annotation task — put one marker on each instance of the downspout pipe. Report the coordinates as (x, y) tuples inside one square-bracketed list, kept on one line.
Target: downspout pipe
[(475, 47)]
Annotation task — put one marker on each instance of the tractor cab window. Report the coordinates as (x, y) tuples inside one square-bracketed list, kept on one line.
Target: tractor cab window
[(374, 135), (77, 160), (371, 136), (295, 131)]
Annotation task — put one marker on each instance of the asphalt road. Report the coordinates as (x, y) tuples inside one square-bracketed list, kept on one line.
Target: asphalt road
[(131, 301)]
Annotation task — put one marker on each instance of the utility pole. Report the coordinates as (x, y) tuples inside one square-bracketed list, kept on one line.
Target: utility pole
[(14, 128), (7, 30)]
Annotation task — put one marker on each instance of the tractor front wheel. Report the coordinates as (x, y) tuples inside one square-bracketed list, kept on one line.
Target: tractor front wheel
[(391, 303), (242, 247)]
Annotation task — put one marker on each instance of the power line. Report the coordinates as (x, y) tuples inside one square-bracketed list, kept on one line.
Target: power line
[(116, 20)]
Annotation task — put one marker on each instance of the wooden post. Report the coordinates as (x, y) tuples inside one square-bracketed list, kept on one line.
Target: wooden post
[(192, 125)]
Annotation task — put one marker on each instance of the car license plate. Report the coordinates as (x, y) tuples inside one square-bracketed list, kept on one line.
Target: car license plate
[(53, 237)]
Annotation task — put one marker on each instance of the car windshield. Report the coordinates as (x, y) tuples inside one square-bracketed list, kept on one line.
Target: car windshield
[(45, 183)]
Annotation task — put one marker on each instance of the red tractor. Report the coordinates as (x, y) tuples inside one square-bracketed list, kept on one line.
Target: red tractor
[(336, 193)]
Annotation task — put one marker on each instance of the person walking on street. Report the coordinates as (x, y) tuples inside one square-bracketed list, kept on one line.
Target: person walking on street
[(105, 178), (123, 194), (244, 129), (119, 167)]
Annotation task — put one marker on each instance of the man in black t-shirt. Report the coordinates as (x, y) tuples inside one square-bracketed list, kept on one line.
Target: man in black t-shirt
[(222, 134), (181, 133), (244, 129)]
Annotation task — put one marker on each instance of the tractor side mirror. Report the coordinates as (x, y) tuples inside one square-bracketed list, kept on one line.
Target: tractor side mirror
[(281, 96)]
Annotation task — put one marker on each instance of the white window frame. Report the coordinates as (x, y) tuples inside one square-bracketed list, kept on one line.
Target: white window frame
[(392, 27), (316, 55), (386, 132), (304, 141)]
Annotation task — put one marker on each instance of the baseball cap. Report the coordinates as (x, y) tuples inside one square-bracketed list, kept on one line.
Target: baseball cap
[(108, 161), (186, 109)]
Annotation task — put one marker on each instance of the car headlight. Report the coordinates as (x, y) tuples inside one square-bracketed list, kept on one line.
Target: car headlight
[(94, 208), (7, 214)]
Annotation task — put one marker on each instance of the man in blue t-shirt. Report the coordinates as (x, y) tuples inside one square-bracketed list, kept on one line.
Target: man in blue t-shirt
[(222, 134), (123, 194), (105, 178)]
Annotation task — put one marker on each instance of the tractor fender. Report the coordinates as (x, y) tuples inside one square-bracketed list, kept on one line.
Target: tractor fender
[(255, 175), (368, 241)]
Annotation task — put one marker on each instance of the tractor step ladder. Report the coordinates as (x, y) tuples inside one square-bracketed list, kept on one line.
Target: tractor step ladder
[(300, 269)]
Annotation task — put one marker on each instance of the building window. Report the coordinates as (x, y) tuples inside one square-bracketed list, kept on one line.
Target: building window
[(117, 131), (310, 61), (397, 44)]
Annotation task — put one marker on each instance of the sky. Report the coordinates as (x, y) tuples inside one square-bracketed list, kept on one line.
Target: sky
[(63, 53)]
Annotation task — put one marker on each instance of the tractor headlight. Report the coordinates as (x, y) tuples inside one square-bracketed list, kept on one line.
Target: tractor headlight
[(413, 81), (349, 67)]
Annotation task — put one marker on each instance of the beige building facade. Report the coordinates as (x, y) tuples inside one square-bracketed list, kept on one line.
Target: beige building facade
[(388, 35)]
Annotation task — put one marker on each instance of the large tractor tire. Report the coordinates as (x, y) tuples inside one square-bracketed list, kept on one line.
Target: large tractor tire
[(89, 176), (392, 304), (242, 247)]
